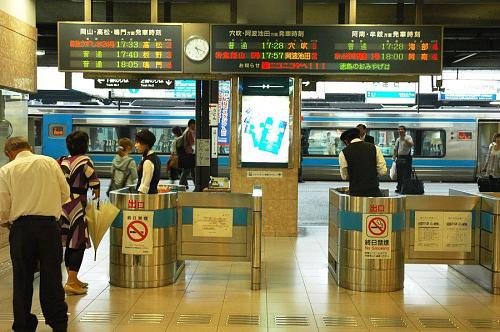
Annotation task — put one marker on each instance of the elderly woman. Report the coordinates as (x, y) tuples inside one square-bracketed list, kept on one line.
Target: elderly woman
[(80, 174)]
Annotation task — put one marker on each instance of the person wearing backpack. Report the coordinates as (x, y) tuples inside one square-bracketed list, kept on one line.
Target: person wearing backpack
[(186, 153), (123, 167)]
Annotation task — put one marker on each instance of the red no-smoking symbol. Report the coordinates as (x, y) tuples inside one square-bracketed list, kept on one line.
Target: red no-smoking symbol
[(377, 226), (137, 231)]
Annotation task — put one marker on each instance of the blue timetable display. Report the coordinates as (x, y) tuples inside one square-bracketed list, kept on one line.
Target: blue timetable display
[(265, 130)]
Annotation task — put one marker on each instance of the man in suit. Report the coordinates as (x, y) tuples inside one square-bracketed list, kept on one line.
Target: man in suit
[(361, 163), (364, 134)]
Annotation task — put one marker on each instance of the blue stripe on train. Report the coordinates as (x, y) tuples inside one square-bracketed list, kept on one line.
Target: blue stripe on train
[(334, 162), (387, 119), (134, 116)]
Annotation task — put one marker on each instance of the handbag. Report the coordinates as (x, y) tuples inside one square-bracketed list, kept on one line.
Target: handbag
[(392, 172), (483, 182), (412, 186), (173, 162)]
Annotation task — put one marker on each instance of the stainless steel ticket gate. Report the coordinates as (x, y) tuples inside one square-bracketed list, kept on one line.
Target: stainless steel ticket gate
[(487, 272), (148, 258), (154, 234), (371, 238)]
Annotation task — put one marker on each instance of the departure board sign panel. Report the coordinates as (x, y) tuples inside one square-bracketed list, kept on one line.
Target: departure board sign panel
[(351, 49), (120, 47)]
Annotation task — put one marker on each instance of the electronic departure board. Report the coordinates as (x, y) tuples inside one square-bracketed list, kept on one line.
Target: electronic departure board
[(117, 47), (351, 49)]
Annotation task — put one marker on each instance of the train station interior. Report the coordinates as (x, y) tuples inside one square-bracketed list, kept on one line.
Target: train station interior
[(261, 218)]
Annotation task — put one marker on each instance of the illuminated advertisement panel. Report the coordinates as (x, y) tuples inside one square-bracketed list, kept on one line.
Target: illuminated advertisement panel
[(265, 126)]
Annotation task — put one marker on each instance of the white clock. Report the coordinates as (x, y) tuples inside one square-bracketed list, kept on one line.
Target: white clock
[(196, 48)]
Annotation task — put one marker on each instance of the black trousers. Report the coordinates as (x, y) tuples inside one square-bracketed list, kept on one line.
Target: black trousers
[(185, 174), (403, 169), (73, 258), (33, 239)]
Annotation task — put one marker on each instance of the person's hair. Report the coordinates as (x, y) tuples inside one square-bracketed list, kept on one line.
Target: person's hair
[(404, 128), (361, 125), (77, 143), (191, 121), (497, 135), (123, 145), (177, 131), (17, 143)]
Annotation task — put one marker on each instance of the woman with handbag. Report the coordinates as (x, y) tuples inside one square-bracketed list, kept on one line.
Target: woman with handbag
[(492, 164), (123, 167), (173, 161)]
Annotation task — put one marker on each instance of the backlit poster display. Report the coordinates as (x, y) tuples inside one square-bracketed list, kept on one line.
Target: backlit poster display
[(265, 126)]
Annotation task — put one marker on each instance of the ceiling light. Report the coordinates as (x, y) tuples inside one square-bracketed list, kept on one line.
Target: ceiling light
[(40, 52)]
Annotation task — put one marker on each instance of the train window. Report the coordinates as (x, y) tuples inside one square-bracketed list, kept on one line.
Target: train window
[(429, 143), (385, 139), (164, 138), (324, 142)]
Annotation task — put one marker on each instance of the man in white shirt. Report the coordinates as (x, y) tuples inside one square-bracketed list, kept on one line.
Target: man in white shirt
[(361, 163), (402, 156), (32, 192)]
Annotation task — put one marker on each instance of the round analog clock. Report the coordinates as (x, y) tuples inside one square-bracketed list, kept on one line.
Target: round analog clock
[(196, 48)]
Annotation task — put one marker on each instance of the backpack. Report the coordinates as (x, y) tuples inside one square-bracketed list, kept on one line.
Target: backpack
[(126, 174), (180, 145)]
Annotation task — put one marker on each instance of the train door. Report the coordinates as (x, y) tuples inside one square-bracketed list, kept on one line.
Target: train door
[(486, 131)]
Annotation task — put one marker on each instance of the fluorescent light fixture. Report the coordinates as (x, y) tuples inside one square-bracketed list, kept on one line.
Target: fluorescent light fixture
[(494, 102), (40, 52), (465, 57)]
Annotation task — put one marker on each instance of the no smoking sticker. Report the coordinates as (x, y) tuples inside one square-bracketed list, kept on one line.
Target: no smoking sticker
[(137, 236), (377, 232)]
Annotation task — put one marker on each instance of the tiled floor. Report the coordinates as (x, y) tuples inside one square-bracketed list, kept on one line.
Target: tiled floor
[(297, 289)]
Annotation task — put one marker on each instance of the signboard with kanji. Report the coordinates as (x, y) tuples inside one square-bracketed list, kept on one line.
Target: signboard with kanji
[(120, 47), (341, 49), (377, 231)]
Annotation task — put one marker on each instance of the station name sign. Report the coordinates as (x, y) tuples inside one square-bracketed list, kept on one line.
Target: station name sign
[(316, 50), (120, 47)]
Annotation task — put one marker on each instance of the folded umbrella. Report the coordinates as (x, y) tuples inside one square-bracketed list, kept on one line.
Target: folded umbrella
[(99, 217)]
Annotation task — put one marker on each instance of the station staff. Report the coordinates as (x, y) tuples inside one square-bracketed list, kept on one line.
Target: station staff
[(33, 190), (361, 163), (149, 168)]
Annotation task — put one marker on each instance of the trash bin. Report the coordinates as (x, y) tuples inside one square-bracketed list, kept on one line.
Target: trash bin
[(157, 264), (365, 241)]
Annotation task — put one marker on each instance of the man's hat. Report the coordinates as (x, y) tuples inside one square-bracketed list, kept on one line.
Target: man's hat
[(350, 134), (146, 137)]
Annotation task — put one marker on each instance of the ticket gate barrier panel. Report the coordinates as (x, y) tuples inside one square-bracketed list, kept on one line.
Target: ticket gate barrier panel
[(217, 226), (487, 272), (442, 229)]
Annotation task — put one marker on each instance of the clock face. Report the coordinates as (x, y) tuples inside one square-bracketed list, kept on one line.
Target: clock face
[(196, 48)]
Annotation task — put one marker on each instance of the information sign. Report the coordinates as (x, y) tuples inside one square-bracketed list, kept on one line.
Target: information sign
[(129, 83), (202, 152), (377, 230), (120, 47), (443, 231), (354, 49), (224, 116), (210, 222), (137, 238)]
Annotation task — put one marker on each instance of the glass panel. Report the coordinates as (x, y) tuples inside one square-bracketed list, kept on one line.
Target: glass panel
[(430, 143), (324, 142), (102, 139), (164, 138)]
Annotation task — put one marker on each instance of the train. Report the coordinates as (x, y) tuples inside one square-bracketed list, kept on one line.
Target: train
[(450, 142)]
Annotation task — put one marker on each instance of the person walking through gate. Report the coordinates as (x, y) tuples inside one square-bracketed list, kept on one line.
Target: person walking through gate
[(361, 163), (150, 166), (80, 175), (32, 192), (402, 156)]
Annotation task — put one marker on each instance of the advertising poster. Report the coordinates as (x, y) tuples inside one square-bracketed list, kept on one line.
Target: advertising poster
[(137, 238), (377, 230), (443, 231), (212, 222), (265, 129), (224, 116)]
